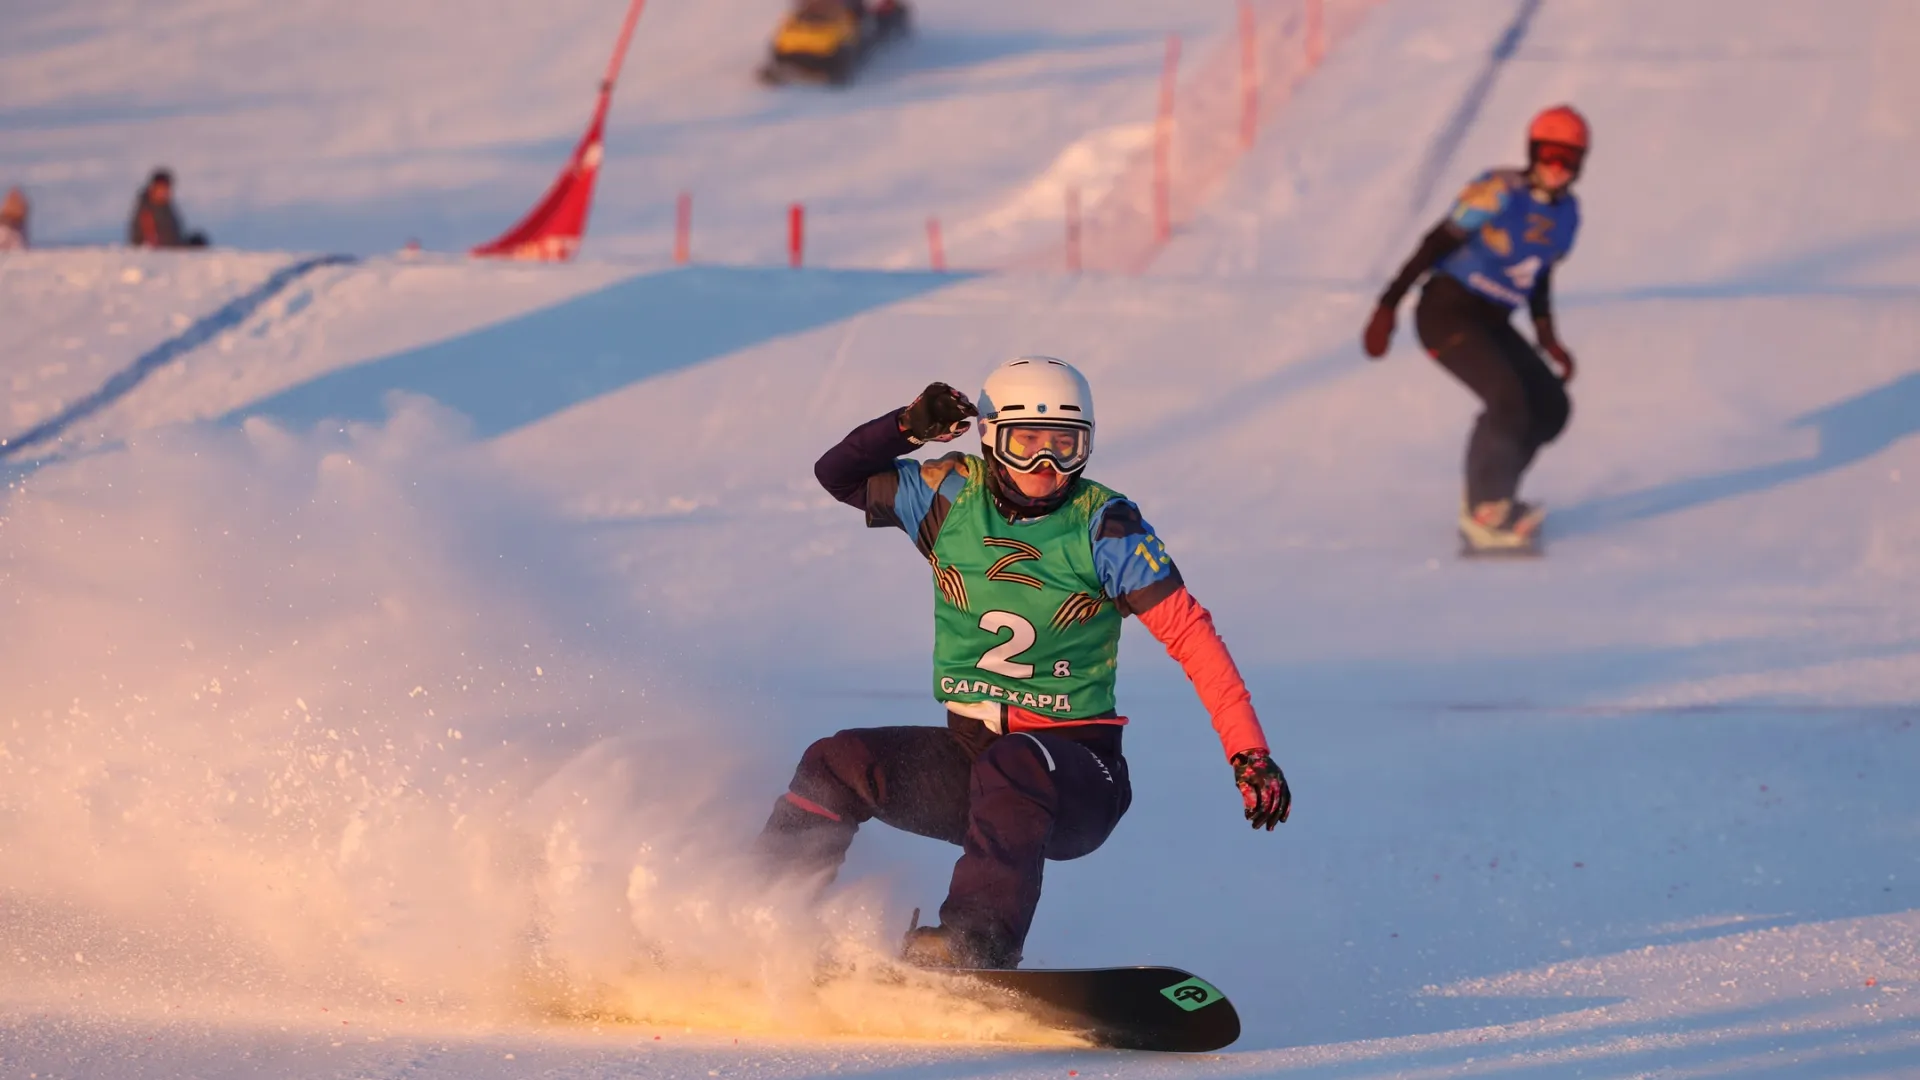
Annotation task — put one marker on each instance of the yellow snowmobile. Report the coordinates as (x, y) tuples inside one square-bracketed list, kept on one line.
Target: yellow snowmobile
[(826, 40)]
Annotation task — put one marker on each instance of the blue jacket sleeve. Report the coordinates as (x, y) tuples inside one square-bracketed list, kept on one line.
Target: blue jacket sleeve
[(1133, 564)]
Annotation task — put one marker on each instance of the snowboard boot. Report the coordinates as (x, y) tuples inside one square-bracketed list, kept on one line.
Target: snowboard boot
[(946, 947), (1501, 526)]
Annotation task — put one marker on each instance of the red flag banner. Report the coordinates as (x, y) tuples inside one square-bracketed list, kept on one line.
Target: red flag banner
[(551, 231)]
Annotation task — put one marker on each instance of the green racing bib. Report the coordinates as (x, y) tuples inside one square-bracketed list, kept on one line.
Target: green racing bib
[(1020, 616)]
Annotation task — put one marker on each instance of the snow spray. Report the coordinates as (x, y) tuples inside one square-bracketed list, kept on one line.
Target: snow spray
[(340, 725)]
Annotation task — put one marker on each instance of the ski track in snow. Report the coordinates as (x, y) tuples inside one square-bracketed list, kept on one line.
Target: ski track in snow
[(390, 674)]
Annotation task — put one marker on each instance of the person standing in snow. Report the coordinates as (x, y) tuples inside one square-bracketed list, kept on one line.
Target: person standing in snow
[(13, 221), (1034, 569), (1493, 252), (156, 222)]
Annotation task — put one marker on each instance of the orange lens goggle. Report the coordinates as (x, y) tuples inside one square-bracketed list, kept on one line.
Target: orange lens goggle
[(1025, 446)]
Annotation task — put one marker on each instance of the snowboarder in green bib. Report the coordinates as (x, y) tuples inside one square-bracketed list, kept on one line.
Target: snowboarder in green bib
[(1034, 568)]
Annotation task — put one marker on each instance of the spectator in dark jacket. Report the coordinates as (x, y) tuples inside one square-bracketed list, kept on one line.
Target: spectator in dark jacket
[(155, 221), (13, 221)]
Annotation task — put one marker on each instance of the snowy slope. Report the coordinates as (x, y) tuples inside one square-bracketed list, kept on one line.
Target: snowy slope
[(1738, 148), (355, 126), (426, 685)]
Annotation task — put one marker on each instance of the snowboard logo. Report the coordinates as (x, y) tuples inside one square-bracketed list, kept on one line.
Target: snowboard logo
[(1192, 994)]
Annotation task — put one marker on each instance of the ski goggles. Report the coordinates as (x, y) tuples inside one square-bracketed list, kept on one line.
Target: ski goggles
[(1026, 445), (1566, 157)]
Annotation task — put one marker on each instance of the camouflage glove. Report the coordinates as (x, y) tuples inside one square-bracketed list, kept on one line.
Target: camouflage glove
[(939, 414), (1263, 787)]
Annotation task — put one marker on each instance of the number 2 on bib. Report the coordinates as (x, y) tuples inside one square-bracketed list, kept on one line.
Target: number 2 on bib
[(1001, 658)]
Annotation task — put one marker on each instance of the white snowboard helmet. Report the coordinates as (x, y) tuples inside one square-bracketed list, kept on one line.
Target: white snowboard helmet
[(1036, 409)]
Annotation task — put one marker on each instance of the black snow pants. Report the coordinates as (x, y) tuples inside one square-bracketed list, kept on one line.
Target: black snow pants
[(1526, 404), (1010, 801)]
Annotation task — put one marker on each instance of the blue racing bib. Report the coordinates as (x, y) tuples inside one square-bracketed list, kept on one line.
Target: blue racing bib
[(1512, 235)]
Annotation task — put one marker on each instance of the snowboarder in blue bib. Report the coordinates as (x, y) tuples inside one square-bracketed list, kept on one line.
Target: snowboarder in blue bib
[(1493, 252), (1034, 568)]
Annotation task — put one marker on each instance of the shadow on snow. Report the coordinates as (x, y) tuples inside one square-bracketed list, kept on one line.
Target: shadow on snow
[(202, 330), (1849, 431), (517, 372)]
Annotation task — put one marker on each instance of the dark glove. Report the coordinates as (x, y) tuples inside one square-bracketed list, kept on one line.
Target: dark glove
[(1263, 787), (1379, 333), (1550, 344), (939, 414)]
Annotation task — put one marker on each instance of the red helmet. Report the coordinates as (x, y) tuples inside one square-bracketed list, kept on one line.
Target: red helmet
[(1560, 124)]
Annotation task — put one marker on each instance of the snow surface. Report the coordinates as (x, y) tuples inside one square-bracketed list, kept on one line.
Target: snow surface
[(396, 654)]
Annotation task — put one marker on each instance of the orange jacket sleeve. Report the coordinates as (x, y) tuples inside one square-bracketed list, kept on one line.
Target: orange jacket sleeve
[(1186, 630)]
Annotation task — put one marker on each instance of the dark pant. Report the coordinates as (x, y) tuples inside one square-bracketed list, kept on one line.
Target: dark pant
[(1010, 801), (1526, 404)]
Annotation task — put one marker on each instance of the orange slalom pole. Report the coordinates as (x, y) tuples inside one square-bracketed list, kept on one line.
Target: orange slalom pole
[(936, 251), (1163, 145), (683, 229), (1249, 76), (1073, 229)]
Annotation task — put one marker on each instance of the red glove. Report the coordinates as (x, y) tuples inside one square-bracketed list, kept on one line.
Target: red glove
[(1550, 344), (1562, 359), (1379, 333), (1263, 788)]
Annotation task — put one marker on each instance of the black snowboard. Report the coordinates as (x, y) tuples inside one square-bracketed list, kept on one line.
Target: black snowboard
[(1126, 1008)]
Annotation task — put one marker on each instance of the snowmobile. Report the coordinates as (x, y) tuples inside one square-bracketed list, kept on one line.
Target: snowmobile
[(826, 40)]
